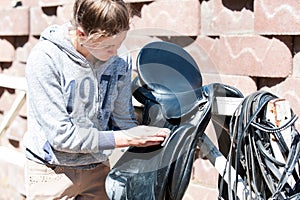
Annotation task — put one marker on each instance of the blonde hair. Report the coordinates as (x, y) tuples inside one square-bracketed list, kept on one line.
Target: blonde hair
[(103, 17)]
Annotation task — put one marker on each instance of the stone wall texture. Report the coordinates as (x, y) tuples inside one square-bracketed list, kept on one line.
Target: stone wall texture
[(250, 45)]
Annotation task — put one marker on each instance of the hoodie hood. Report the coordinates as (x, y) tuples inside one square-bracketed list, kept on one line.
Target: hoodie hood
[(59, 36)]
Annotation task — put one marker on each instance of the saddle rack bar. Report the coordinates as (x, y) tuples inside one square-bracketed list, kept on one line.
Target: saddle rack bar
[(217, 159), (225, 105)]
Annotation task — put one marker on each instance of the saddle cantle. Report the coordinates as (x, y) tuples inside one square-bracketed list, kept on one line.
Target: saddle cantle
[(172, 76), (169, 85)]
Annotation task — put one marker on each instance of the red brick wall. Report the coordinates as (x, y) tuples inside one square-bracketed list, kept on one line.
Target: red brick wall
[(250, 45)]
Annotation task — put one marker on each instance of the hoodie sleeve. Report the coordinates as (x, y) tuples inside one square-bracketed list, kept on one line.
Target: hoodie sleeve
[(123, 115), (47, 113)]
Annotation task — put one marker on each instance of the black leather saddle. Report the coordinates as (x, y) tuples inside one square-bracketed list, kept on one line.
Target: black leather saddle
[(169, 85)]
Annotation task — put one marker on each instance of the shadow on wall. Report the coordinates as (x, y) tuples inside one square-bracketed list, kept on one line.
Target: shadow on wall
[(238, 5)]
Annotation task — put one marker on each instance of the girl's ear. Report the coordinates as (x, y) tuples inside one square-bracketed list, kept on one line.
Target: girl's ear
[(80, 32)]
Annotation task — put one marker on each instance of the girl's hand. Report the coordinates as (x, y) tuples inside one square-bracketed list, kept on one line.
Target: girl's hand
[(141, 136)]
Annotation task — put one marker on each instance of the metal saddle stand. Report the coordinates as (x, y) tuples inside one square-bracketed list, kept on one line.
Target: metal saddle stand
[(169, 86)]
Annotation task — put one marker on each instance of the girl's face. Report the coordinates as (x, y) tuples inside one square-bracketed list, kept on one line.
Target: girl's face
[(103, 48)]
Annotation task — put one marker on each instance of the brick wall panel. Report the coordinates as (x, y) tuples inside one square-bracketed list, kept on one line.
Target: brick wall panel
[(64, 13), (277, 17), (31, 3), (5, 3), (243, 55), (7, 50), (17, 129), (39, 20), (296, 58), (296, 66), (138, 1), (15, 69), (201, 51), (22, 52), (244, 84), (6, 99), (252, 56), (216, 19), (47, 3), (169, 18), (11, 24)]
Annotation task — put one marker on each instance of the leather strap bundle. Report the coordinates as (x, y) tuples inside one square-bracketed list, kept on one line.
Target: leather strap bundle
[(253, 156)]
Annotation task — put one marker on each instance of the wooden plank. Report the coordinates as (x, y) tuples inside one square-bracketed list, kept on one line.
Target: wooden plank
[(13, 82), (12, 113), (13, 157)]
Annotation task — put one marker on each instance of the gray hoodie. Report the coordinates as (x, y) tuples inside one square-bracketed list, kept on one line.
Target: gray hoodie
[(73, 103)]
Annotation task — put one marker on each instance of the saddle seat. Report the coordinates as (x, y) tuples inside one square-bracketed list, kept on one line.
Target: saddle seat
[(171, 78)]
